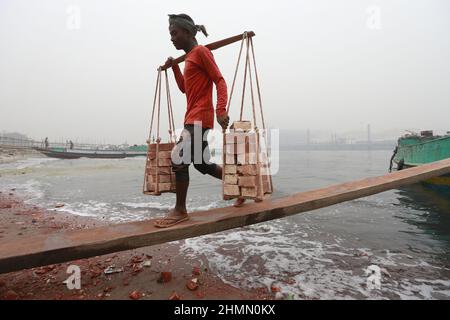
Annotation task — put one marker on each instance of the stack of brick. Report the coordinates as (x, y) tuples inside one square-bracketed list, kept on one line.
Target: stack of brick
[(159, 177), (245, 174)]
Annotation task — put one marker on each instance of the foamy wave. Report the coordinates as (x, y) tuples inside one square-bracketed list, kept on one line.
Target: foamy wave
[(26, 163), (101, 211), (32, 189), (147, 205), (282, 254)]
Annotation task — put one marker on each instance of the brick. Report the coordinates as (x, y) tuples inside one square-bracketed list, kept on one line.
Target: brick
[(161, 162), (231, 149), (231, 179), (230, 169), (165, 154), (249, 181), (162, 178), (247, 170), (263, 158), (161, 154), (162, 146), (161, 170), (234, 138), (250, 138), (244, 159), (241, 125), (241, 148), (264, 170), (230, 159), (231, 190), (166, 186), (248, 192), (266, 185)]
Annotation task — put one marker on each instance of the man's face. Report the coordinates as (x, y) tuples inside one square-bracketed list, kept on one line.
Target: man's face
[(179, 37)]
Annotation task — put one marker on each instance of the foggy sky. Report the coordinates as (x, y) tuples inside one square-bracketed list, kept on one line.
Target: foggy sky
[(323, 65)]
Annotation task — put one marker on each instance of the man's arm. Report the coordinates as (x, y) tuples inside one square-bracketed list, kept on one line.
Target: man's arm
[(178, 77), (177, 73), (222, 96)]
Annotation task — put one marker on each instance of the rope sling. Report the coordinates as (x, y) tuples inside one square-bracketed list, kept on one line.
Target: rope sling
[(246, 172), (159, 177)]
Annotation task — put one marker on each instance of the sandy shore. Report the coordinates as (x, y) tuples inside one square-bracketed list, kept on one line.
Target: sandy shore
[(142, 268)]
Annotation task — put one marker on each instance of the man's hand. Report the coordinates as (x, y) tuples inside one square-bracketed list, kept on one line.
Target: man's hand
[(168, 63), (223, 120)]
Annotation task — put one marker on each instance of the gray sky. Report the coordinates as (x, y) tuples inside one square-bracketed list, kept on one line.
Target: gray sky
[(324, 65)]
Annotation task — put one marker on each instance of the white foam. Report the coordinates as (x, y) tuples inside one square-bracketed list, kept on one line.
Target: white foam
[(147, 205), (272, 253)]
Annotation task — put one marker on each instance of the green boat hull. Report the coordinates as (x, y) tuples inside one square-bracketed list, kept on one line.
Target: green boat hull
[(417, 150)]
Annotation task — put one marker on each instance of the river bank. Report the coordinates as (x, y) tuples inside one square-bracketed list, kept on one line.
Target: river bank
[(137, 273)]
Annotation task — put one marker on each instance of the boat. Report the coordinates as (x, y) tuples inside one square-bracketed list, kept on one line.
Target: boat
[(65, 153), (414, 149)]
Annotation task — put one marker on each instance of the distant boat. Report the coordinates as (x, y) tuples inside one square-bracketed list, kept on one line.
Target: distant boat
[(64, 153), (414, 150)]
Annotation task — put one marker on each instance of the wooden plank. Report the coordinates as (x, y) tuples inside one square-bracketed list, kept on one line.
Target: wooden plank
[(34, 251)]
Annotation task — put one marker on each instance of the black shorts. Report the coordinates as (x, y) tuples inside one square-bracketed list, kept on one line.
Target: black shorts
[(192, 147)]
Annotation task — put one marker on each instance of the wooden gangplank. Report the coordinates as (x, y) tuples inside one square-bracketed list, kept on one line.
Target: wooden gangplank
[(34, 251)]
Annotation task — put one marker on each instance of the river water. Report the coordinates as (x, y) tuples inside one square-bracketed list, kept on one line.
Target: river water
[(393, 245)]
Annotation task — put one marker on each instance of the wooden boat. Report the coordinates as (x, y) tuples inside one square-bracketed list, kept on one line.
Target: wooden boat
[(415, 150), (64, 153)]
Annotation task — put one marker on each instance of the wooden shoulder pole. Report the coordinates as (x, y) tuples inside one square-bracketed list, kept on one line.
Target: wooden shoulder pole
[(214, 46)]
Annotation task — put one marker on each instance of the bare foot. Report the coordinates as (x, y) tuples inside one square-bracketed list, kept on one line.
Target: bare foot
[(173, 217), (239, 202)]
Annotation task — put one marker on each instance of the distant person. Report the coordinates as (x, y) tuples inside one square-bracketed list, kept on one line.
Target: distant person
[(71, 144), (46, 142)]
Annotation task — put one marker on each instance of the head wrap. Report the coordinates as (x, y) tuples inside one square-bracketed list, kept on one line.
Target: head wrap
[(186, 22)]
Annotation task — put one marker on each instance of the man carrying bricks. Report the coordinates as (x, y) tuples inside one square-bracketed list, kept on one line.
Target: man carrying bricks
[(200, 72)]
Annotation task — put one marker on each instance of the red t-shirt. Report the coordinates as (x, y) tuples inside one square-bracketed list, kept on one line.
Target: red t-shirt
[(200, 71)]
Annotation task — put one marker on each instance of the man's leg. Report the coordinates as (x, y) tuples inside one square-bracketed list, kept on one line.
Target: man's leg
[(179, 213), (212, 169), (217, 172)]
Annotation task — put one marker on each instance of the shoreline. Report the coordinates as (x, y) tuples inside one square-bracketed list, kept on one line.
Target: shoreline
[(139, 269), (10, 154)]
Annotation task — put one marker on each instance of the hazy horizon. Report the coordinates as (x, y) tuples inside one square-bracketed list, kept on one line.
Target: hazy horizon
[(326, 66)]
